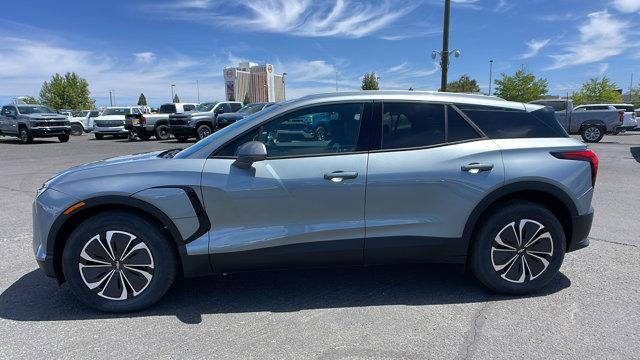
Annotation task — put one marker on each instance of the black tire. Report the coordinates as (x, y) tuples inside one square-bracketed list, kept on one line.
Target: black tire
[(63, 138), (25, 136), (203, 131), (144, 136), (150, 246), (182, 138), (162, 132), (592, 133), (76, 130), (98, 136), (321, 133), (498, 267)]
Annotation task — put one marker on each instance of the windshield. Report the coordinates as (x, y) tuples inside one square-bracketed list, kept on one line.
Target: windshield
[(35, 109), (117, 111), (221, 133), (251, 108), (204, 107), (82, 113)]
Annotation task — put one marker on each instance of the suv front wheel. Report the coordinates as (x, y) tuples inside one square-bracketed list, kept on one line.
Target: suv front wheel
[(118, 261), (518, 248)]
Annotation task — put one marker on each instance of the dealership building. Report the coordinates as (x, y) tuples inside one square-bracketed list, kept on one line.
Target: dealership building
[(260, 82)]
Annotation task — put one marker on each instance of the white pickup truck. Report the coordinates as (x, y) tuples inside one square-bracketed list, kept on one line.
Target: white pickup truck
[(82, 121), (156, 124)]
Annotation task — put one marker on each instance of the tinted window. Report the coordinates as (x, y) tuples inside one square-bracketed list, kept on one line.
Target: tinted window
[(9, 110), (458, 128), (167, 109), (188, 107), (204, 107), (407, 125), (498, 123), (226, 108), (625, 108), (591, 108), (555, 105), (235, 107), (94, 113), (34, 109), (116, 111), (317, 130)]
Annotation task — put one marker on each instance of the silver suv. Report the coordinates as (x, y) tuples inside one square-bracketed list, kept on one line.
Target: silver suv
[(399, 177)]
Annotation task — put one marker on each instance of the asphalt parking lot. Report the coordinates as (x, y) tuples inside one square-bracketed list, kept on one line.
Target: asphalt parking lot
[(591, 310)]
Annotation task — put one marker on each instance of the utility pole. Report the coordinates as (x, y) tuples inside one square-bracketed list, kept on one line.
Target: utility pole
[(197, 90), (172, 95), (490, 75), (444, 55), (336, 81), (284, 86), (110, 97)]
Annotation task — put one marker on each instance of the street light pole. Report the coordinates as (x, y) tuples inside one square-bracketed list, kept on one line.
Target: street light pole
[(444, 55), (110, 97), (198, 91), (490, 75), (284, 87), (336, 81)]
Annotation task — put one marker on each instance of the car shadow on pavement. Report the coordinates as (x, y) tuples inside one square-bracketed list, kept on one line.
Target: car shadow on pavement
[(16, 141), (635, 152), (34, 297)]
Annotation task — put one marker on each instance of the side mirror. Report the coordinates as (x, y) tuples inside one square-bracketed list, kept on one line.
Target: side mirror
[(250, 152)]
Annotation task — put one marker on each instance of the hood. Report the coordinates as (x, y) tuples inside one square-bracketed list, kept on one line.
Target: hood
[(232, 116), (111, 117), (46, 116), (103, 163)]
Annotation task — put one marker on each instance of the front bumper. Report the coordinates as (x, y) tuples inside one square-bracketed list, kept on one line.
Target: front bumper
[(120, 130), (182, 130), (50, 131), (581, 228)]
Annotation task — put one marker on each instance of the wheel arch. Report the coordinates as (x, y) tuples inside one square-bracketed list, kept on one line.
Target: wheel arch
[(207, 122), (548, 195), (65, 224)]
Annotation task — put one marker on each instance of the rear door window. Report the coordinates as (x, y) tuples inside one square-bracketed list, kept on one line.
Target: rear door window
[(235, 107), (458, 129), (411, 125), (188, 107), (167, 109)]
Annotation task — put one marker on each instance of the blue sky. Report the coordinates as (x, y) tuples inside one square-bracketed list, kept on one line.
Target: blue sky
[(144, 46)]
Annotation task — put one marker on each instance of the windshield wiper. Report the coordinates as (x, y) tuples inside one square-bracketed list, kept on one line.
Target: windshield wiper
[(169, 154)]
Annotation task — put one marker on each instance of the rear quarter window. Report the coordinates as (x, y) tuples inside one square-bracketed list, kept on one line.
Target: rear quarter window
[(503, 123)]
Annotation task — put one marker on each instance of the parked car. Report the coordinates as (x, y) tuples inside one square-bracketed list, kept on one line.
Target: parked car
[(629, 121), (591, 124), (31, 121), (497, 185), (229, 118), (145, 125), (199, 123), (111, 122), (82, 122)]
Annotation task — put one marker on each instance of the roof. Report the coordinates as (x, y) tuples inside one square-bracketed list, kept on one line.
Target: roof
[(476, 99)]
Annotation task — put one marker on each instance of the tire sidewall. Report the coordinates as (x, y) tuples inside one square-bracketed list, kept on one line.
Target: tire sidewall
[(159, 130), (481, 263), (198, 136), (584, 130), (164, 256)]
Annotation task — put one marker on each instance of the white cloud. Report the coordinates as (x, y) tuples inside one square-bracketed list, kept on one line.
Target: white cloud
[(534, 46), (601, 37), (627, 6), (397, 68), (468, 4), (602, 69), (504, 6), (145, 57), (337, 18)]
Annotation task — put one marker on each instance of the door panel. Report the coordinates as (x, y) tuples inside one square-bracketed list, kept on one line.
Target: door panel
[(284, 213), (418, 201)]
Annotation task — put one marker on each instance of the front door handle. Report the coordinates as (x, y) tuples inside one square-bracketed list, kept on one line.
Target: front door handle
[(338, 176), (476, 167)]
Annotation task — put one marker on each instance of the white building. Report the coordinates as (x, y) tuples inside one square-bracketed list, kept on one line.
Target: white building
[(260, 82)]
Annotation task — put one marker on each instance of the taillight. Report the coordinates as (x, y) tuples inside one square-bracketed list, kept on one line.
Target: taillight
[(621, 116), (582, 155), (143, 120)]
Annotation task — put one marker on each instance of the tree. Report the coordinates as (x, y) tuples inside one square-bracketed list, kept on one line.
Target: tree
[(521, 87), (30, 100), (67, 92), (463, 85), (246, 99), (634, 96), (370, 81), (597, 90), (142, 100), (176, 99)]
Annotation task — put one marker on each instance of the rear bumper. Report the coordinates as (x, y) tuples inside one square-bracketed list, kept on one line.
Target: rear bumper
[(182, 130), (581, 229)]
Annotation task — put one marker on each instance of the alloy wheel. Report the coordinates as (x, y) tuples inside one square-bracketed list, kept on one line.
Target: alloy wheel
[(592, 133), (203, 132), (521, 251), (116, 265)]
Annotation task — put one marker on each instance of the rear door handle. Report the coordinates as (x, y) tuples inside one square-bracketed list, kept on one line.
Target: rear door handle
[(476, 167), (338, 176)]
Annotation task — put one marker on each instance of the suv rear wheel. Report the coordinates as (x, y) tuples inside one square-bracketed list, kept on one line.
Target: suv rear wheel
[(518, 248), (117, 261)]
